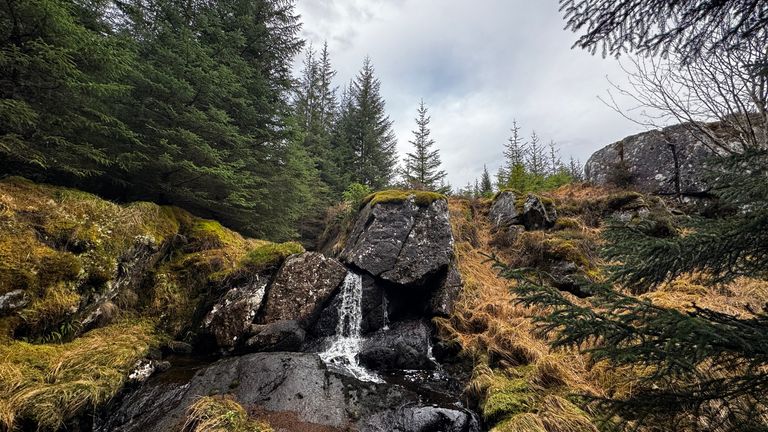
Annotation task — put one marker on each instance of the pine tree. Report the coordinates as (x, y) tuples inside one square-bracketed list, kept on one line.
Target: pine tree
[(555, 164), (486, 188), (514, 154), (575, 169), (536, 161), (369, 131), (424, 163)]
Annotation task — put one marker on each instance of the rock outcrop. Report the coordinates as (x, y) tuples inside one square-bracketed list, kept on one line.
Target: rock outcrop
[(287, 384), (401, 242), (533, 212), (303, 284), (405, 345), (670, 161), (231, 317)]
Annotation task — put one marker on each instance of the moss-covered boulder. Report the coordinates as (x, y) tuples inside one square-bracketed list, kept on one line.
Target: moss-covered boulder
[(401, 237)]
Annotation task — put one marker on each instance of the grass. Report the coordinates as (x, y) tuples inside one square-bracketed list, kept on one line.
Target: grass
[(220, 414), (421, 198), (52, 383)]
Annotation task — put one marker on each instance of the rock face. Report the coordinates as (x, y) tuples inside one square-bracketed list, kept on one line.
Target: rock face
[(374, 310), (277, 336), (402, 242), (231, 317), (403, 346), (666, 162), (287, 384), (533, 213), (303, 284)]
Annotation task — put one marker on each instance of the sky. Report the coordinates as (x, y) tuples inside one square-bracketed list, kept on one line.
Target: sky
[(478, 65)]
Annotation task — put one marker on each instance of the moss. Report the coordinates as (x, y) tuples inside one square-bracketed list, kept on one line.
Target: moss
[(421, 198), (270, 255), (220, 414), (208, 234), (49, 384), (571, 223), (507, 397), (515, 192)]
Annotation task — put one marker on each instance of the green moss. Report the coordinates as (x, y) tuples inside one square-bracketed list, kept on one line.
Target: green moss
[(619, 201), (421, 198), (515, 192), (270, 254), (208, 234), (507, 397)]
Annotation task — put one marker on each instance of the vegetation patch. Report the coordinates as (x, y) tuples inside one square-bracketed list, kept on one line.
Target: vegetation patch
[(220, 414), (52, 383), (270, 255), (420, 198)]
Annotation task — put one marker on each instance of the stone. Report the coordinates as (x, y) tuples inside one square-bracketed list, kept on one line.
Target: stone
[(295, 385), (669, 161), (534, 213), (13, 300), (446, 295), (284, 335), (405, 345), (503, 211), (231, 317), (401, 242), (301, 288)]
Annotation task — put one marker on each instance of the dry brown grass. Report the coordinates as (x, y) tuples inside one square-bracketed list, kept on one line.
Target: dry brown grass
[(515, 369), (220, 414)]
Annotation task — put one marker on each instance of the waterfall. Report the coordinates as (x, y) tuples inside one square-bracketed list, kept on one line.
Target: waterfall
[(345, 344)]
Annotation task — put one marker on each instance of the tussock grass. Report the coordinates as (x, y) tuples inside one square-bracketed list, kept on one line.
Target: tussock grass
[(220, 414), (51, 383)]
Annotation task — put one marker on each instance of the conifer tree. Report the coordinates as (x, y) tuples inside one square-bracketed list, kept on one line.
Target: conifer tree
[(423, 163), (555, 164), (486, 188), (575, 169), (514, 155), (369, 131), (536, 160)]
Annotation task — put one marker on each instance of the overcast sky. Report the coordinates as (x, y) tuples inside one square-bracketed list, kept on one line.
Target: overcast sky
[(478, 65)]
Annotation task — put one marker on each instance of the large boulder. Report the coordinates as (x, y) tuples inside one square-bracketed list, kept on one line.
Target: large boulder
[(282, 335), (404, 345), (298, 386), (230, 319), (404, 242), (301, 287), (669, 161), (444, 298)]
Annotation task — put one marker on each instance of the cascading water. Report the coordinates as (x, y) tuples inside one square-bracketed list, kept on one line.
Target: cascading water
[(345, 344)]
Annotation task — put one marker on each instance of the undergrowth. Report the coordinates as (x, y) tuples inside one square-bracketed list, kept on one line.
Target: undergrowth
[(220, 414)]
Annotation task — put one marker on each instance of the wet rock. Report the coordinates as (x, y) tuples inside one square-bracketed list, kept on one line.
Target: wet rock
[(231, 317), (12, 301), (401, 242), (373, 308), (422, 419), (146, 368), (405, 345), (667, 161), (285, 335), (445, 297), (286, 384), (179, 347), (302, 286)]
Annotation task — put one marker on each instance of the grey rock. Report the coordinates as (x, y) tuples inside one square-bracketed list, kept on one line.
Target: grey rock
[(285, 335), (534, 213), (503, 211), (179, 347), (12, 301), (667, 161), (405, 345), (295, 384), (444, 298), (402, 242), (231, 317), (301, 287)]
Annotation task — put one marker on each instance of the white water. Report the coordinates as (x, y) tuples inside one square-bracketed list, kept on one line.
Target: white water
[(345, 345)]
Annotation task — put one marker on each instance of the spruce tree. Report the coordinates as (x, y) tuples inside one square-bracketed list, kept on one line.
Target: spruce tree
[(486, 188), (423, 164), (369, 131), (536, 160)]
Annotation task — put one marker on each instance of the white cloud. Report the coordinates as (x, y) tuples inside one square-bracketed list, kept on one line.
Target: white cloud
[(478, 65)]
